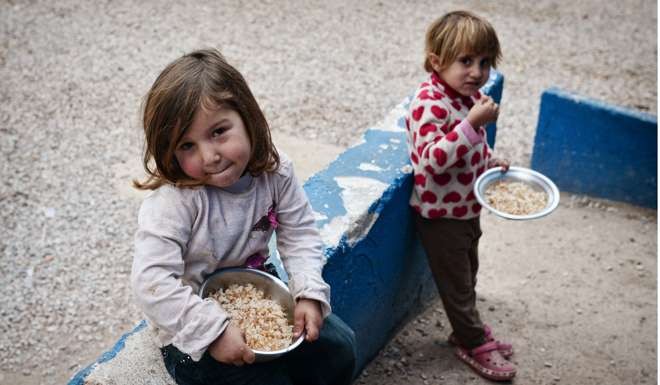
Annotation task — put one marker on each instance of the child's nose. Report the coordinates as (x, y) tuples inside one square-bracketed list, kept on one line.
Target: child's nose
[(475, 71), (210, 155)]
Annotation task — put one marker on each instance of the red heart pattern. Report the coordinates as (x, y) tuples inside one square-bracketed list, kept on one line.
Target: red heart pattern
[(461, 150), (476, 158), (420, 180), (440, 156), (452, 136), (429, 197), (452, 197), (459, 211), (442, 179), (456, 165), (465, 178), (426, 128), (417, 113), (437, 213), (459, 163), (439, 112)]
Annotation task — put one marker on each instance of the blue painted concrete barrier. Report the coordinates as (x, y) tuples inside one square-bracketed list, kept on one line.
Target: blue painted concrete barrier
[(376, 267), (593, 148)]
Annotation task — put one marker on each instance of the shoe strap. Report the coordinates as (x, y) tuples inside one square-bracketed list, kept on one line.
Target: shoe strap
[(485, 348)]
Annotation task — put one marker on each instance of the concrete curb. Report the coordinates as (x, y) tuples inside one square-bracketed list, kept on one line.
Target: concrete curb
[(598, 149)]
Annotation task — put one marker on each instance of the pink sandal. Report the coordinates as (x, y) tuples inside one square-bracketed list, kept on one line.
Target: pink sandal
[(487, 361), (505, 349)]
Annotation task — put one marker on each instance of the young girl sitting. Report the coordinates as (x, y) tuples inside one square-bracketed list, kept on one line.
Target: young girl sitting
[(220, 189), (448, 151)]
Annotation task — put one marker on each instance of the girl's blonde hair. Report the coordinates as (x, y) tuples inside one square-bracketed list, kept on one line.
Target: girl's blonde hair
[(457, 33), (202, 78)]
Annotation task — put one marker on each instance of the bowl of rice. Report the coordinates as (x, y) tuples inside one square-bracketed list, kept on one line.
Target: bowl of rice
[(519, 193), (258, 303)]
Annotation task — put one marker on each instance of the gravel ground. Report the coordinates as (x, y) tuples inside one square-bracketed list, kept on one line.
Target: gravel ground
[(72, 74)]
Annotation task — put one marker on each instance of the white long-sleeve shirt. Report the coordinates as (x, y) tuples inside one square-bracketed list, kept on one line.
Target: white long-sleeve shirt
[(185, 234)]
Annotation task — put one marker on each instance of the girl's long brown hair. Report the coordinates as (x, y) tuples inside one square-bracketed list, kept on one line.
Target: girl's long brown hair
[(202, 78)]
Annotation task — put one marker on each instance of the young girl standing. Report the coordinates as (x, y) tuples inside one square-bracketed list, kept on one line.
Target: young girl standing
[(220, 189), (448, 151)]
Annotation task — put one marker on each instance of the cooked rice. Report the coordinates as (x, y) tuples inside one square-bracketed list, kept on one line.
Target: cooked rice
[(263, 320), (515, 198)]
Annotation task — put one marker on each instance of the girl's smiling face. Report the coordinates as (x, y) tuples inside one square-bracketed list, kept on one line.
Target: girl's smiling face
[(216, 148), (467, 74)]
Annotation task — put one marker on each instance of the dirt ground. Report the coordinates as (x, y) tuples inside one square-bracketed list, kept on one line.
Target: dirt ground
[(575, 292)]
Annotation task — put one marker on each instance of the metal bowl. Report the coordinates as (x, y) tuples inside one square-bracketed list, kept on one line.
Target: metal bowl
[(272, 287), (533, 178)]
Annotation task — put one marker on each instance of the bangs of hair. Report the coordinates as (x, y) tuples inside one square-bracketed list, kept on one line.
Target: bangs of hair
[(459, 33)]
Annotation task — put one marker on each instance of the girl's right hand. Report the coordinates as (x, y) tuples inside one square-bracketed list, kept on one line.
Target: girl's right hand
[(230, 347), (483, 112)]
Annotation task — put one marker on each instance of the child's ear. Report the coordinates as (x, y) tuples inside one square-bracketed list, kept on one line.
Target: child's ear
[(435, 62)]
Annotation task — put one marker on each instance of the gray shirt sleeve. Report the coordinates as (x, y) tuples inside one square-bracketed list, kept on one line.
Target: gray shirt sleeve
[(164, 230), (299, 242)]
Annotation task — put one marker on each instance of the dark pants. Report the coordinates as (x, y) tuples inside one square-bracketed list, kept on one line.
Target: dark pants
[(330, 360), (451, 247)]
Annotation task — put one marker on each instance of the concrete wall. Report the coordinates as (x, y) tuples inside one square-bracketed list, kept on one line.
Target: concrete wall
[(597, 149), (376, 267)]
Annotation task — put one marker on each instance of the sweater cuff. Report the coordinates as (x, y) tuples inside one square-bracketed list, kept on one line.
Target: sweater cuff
[(469, 132), (202, 330)]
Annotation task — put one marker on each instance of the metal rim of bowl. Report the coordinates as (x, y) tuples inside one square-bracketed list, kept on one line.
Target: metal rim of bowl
[(208, 279), (278, 282), (531, 176)]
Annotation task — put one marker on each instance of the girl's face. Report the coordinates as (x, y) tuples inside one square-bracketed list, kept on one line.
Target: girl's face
[(467, 74), (216, 148)]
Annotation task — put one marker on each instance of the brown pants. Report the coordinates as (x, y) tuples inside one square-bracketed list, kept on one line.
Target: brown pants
[(451, 247)]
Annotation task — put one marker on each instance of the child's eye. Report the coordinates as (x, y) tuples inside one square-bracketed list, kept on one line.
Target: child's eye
[(185, 146), (466, 60), (219, 131), (485, 63)]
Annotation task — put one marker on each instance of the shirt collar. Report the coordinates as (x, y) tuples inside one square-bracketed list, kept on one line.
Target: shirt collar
[(241, 185)]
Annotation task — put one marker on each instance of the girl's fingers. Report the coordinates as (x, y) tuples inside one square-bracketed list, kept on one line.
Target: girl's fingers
[(248, 356), (298, 324), (312, 331)]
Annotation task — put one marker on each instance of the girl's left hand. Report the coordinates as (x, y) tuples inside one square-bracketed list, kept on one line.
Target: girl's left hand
[(307, 316), (495, 162)]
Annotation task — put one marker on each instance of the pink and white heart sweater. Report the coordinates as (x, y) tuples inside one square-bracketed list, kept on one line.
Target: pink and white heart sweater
[(446, 152)]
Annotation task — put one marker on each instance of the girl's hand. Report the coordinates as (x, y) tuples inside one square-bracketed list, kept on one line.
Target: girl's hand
[(483, 112), (230, 347), (307, 316), (495, 162)]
